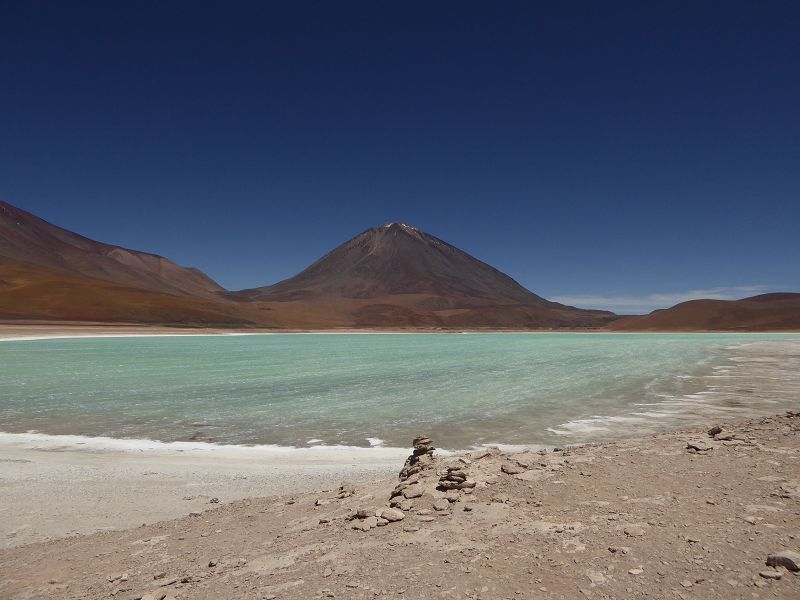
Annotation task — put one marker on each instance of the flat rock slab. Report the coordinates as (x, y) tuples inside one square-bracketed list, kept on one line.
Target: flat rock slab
[(512, 468), (699, 445)]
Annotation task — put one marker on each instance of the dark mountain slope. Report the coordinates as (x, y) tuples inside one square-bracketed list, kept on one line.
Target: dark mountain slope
[(397, 275), (25, 238)]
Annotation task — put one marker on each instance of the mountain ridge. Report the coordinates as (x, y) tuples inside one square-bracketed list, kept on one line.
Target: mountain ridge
[(391, 276), (776, 311), (26, 238)]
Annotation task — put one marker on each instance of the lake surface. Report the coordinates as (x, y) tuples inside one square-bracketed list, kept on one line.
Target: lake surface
[(361, 390)]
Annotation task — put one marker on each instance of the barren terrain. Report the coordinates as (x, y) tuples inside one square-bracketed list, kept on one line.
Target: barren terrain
[(674, 515)]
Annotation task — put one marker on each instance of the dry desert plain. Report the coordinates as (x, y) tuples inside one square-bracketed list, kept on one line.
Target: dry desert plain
[(674, 515)]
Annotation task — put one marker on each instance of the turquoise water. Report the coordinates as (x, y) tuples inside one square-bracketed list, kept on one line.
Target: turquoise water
[(463, 390)]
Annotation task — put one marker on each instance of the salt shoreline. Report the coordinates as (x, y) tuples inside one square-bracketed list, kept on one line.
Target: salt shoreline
[(48, 489), (20, 333)]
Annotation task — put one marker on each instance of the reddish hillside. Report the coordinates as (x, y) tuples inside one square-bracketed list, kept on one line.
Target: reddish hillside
[(389, 276), (25, 238), (392, 276), (34, 292), (397, 275), (768, 312)]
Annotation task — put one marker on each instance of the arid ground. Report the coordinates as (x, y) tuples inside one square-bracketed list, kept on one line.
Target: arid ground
[(674, 515)]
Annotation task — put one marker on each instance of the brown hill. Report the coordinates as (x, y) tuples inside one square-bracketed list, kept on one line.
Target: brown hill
[(397, 275), (49, 273), (392, 276), (389, 276), (768, 312), (34, 292), (25, 238)]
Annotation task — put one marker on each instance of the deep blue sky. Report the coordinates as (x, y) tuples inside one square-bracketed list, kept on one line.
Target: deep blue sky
[(598, 152)]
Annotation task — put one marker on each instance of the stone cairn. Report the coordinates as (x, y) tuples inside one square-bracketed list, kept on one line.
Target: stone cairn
[(410, 486), (455, 477), (421, 458)]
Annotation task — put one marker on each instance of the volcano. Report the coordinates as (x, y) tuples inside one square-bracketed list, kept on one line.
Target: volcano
[(399, 276)]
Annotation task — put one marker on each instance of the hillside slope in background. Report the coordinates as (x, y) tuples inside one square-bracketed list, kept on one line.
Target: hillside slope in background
[(25, 238), (33, 292), (767, 312), (393, 276)]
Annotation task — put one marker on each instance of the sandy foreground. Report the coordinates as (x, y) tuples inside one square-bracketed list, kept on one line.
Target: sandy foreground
[(53, 486), (672, 515)]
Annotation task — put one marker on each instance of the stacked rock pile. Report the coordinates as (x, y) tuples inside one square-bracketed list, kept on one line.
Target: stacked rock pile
[(455, 477), (421, 458), (410, 486)]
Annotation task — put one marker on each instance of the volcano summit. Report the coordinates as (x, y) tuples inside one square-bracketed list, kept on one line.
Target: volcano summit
[(398, 275)]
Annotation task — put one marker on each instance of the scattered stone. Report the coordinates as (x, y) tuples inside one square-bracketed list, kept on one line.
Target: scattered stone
[(771, 574), (405, 505), (366, 524), (345, 491), (382, 522), (392, 515), (410, 529), (596, 577), (619, 549), (212, 563), (452, 496), (510, 468), (214, 501), (716, 429), (790, 489), (786, 559), (635, 571), (194, 513), (414, 491), (699, 446), (327, 572), (635, 531), (441, 505)]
